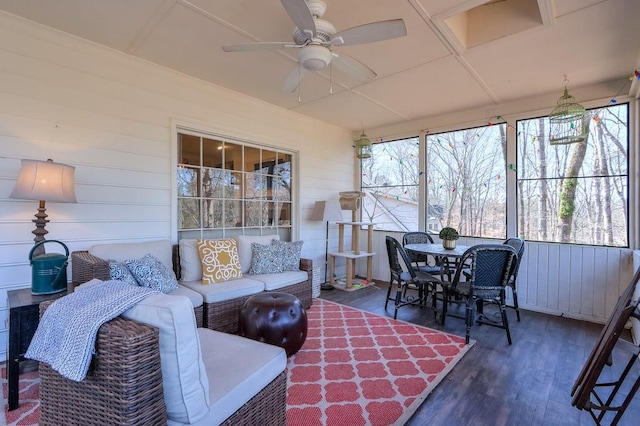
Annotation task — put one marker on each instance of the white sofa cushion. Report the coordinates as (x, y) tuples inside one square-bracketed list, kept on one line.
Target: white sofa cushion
[(160, 249), (244, 247), (190, 263), (228, 290), (184, 378), (283, 279), (238, 368), (195, 297)]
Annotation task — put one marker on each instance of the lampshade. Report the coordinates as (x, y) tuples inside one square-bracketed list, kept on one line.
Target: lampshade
[(45, 180), (328, 211)]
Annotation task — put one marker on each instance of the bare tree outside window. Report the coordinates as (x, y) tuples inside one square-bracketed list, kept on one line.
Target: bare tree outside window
[(390, 180), (466, 179), (576, 193)]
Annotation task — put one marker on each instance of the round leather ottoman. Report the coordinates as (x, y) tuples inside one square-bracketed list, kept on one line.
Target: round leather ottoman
[(275, 318)]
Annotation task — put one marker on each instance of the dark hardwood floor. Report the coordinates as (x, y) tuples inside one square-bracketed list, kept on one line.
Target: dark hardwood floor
[(527, 383)]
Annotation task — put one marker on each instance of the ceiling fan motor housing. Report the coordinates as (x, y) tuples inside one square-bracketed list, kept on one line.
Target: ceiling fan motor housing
[(324, 31)]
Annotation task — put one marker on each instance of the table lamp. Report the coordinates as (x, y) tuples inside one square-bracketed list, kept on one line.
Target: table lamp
[(44, 181), (327, 211)]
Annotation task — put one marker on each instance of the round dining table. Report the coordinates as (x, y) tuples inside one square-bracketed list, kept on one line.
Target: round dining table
[(437, 250)]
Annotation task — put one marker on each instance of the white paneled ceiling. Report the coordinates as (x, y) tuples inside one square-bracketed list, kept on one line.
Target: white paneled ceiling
[(431, 71)]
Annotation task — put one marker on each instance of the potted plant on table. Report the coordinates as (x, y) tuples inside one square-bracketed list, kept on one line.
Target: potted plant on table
[(448, 236)]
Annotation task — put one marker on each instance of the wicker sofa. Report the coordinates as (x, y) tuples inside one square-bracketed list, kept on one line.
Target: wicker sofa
[(93, 263), (153, 367), (222, 302)]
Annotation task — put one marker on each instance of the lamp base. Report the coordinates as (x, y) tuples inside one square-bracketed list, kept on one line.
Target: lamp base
[(326, 286)]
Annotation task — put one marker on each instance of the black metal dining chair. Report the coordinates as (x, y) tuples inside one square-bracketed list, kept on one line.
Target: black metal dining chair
[(490, 267), (421, 261), (518, 246), (406, 277)]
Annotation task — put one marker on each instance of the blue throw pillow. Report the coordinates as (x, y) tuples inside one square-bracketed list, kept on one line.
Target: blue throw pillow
[(290, 254), (151, 273), (119, 271), (265, 259)]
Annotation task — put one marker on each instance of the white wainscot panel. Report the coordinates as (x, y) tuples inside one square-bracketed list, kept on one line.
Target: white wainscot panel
[(581, 282)]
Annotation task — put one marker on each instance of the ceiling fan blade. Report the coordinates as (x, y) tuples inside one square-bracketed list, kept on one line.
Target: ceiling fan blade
[(300, 14), (257, 46), (353, 67), (293, 79), (372, 32)]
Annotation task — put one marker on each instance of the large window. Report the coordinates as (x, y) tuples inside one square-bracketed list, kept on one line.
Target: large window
[(390, 180), (228, 188), (466, 182), (464, 179), (575, 193)]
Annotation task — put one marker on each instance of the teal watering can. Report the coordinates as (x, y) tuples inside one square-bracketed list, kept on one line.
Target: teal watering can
[(49, 270)]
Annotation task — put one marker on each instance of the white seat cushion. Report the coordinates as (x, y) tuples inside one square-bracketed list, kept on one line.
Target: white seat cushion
[(161, 250), (219, 292), (184, 378), (195, 297), (238, 368), (282, 279)]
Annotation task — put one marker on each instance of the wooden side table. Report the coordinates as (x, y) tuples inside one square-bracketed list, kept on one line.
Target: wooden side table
[(23, 321)]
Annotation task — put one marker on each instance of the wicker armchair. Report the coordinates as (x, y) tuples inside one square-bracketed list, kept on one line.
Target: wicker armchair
[(85, 267), (124, 385)]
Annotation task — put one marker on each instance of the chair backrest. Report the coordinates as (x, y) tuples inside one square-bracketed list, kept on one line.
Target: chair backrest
[(416, 238), (518, 246), (490, 266), (398, 264)]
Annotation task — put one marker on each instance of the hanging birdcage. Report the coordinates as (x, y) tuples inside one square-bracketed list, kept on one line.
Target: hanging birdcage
[(566, 121), (363, 147)]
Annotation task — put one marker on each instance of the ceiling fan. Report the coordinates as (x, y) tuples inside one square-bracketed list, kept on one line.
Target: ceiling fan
[(316, 38)]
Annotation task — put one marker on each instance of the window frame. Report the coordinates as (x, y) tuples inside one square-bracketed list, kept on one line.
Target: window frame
[(289, 231), (630, 187), (368, 189), (504, 173), (633, 167)]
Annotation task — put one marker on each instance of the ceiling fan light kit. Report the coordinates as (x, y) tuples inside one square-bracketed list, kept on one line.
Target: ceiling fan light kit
[(316, 37), (314, 57)]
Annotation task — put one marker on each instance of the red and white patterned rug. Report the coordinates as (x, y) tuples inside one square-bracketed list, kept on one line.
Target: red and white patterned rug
[(355, 368), (28, 412)]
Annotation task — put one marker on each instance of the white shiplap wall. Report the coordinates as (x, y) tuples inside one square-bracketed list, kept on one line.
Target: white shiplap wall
[(580, 282), (111, 116)]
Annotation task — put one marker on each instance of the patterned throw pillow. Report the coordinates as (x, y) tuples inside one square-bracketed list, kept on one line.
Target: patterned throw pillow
[(151, 273), (220, 261), (265, 259), (290, 254), (119, 271)]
